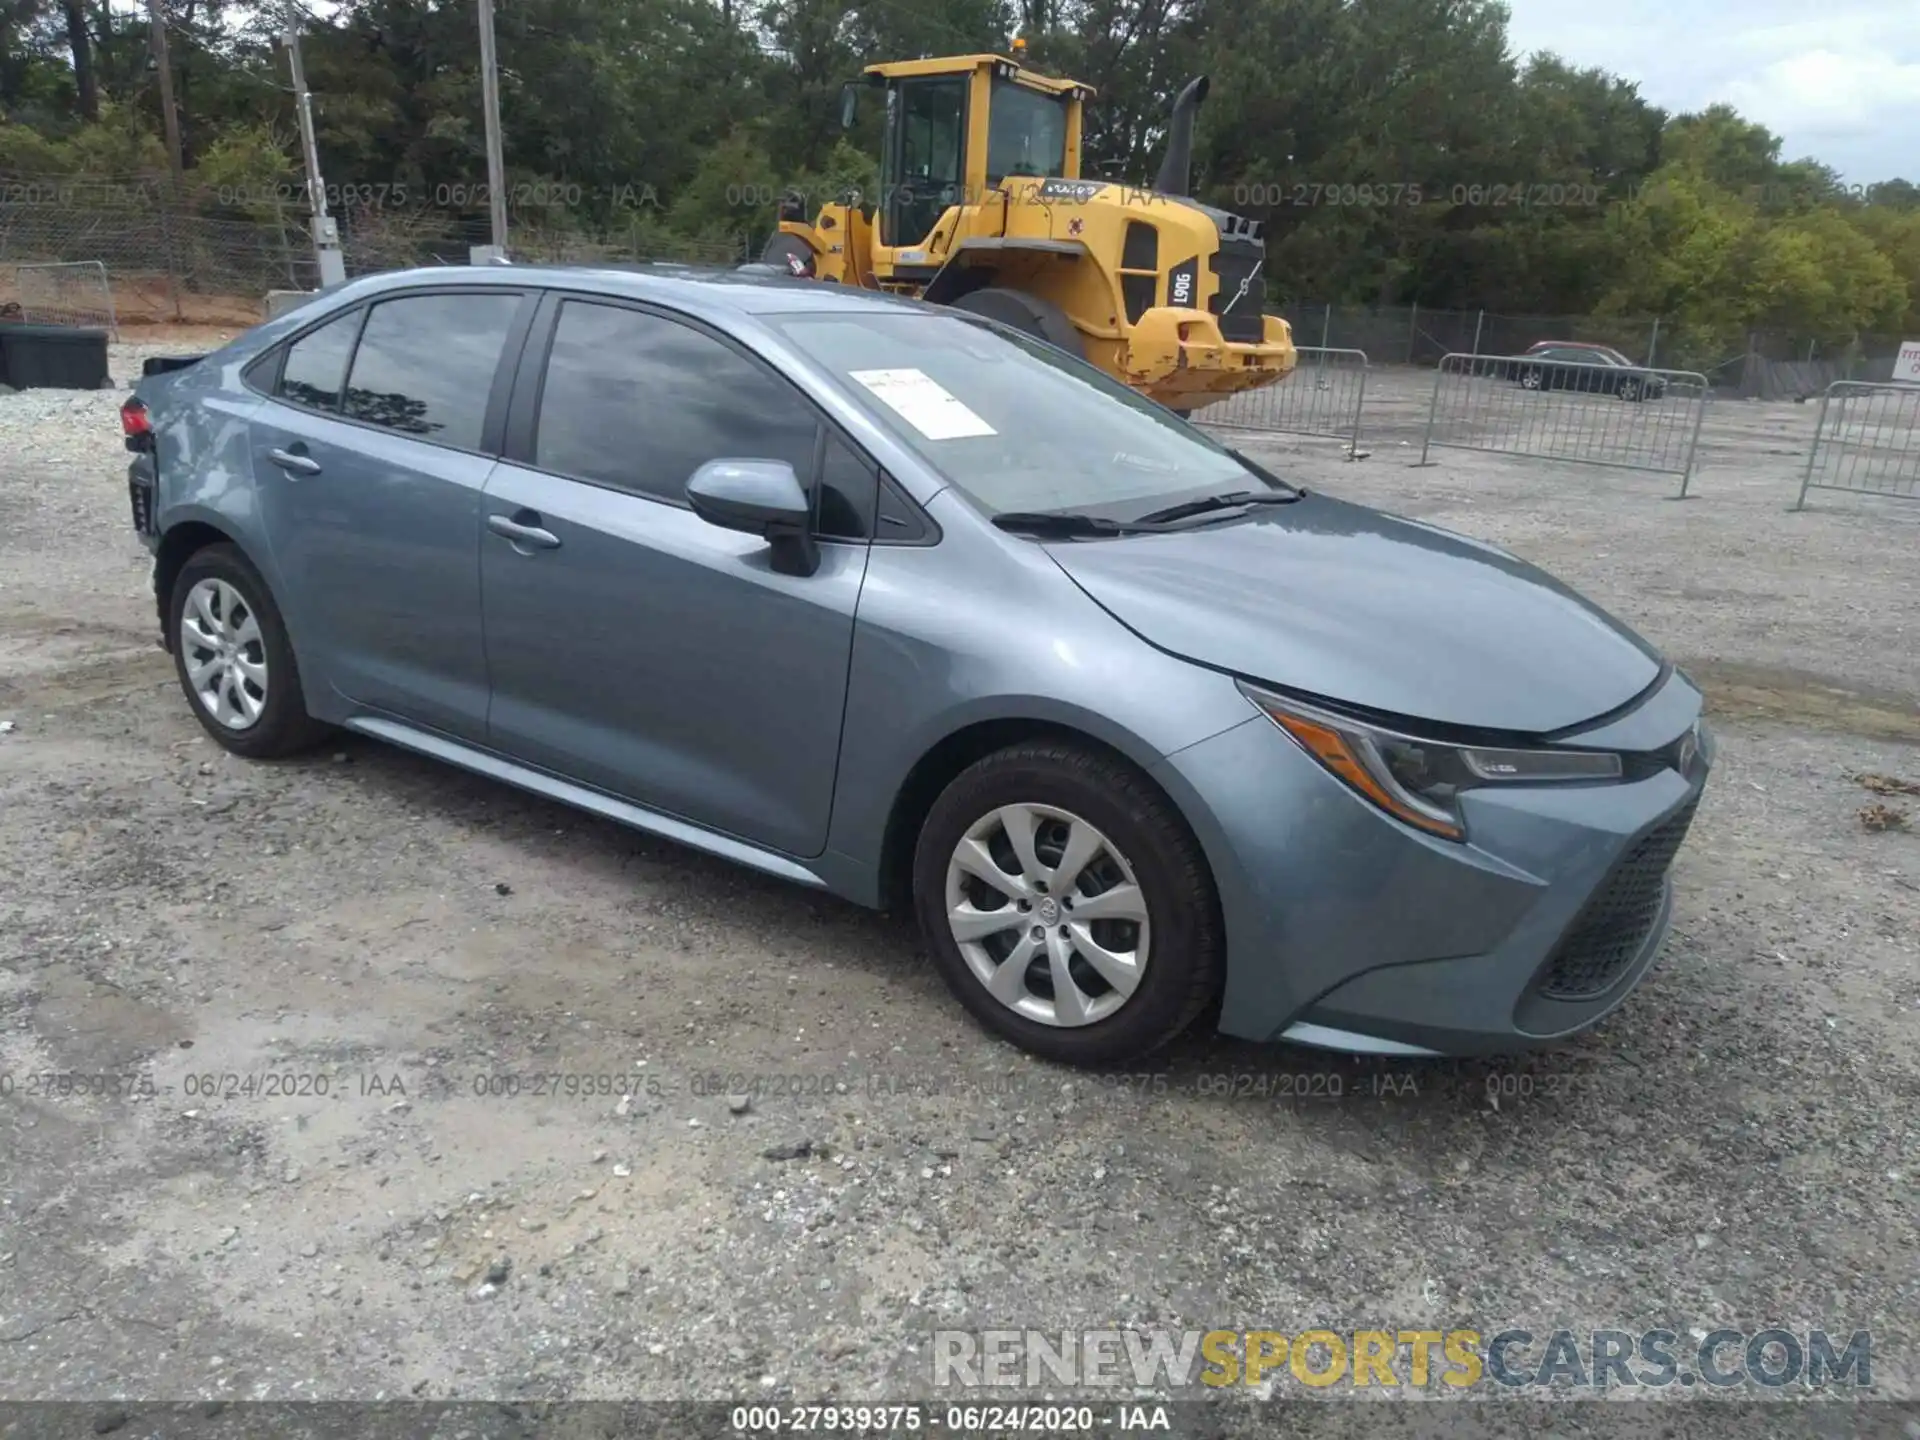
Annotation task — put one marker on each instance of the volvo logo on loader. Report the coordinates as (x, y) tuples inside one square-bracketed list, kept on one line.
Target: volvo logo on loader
[(1241, 293), (989, 213), (1070, 189)]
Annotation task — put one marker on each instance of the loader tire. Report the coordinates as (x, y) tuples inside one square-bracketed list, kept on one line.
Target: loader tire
[(790, 255), (1028, 313)]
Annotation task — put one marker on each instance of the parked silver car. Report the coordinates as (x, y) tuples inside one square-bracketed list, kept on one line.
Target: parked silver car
[(891, 602)]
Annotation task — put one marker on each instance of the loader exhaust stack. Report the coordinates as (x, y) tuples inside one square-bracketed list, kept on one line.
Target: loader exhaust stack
[(1176, 171)]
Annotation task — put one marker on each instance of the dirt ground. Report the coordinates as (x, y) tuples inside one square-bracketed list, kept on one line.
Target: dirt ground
[(496, 1159), (151, 310)]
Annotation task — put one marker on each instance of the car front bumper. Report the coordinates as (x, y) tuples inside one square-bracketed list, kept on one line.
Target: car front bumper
[(1349, 930)]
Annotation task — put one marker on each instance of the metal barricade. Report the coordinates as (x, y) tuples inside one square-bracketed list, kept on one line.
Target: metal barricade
[(1626, 417), (1866, 440), (1323, 396), (72, 292)]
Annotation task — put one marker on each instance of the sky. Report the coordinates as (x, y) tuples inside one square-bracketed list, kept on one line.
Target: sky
[(1837, 80)]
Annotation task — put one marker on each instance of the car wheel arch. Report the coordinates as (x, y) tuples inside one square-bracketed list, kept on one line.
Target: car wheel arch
[(179, 544), (186, 535), (939, 764)]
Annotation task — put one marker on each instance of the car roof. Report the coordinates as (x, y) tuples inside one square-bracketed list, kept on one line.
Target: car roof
[(703, 287)]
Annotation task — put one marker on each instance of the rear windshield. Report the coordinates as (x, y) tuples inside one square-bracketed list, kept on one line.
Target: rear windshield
[(1011, 421)]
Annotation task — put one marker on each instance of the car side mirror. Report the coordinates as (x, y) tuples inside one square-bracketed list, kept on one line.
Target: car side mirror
[(759, 497), (849, 105)]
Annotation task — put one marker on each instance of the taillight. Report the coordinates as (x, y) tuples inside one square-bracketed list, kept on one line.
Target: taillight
[(135, 424)]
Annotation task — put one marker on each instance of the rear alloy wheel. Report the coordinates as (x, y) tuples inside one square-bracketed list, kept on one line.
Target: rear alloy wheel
[(1067, 905), (223, 654), (231, 651)]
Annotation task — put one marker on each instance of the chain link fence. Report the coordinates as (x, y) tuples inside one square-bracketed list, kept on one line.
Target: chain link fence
[(210, 254), (160, 245), (74, 292)]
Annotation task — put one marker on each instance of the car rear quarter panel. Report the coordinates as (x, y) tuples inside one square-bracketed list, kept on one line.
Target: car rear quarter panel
[(201, 417), (200, 421)]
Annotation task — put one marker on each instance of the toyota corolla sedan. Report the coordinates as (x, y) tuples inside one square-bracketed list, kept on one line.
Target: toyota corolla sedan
[(891, 602)]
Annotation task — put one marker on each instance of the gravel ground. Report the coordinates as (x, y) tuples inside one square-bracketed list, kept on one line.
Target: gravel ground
[(1737, 1146)]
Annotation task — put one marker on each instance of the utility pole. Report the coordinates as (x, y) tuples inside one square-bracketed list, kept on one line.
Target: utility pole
[(326, 231), (496, 160), (169, 118)]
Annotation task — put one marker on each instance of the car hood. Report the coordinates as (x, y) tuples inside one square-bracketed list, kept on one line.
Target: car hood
[(1350, 604)]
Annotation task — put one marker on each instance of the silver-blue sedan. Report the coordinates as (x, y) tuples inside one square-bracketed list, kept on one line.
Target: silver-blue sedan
[(893, 602)]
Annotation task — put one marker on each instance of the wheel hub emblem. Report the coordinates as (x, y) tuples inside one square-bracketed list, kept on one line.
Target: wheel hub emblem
[(1049, 912)]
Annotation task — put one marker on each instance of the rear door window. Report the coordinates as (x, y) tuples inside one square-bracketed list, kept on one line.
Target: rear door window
[(317, 363), (425, 365)]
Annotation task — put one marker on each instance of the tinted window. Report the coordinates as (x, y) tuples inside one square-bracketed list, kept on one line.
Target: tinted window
[(849, 488), (640, 402), (317, 363), (425, 365)]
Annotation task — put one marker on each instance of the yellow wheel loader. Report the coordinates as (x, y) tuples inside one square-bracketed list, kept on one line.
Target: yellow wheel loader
[(982, 207)]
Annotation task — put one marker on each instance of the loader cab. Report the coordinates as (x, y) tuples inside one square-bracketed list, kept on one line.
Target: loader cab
[(955, 129)]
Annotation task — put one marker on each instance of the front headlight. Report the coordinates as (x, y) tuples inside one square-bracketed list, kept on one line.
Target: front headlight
[(1415, 780)]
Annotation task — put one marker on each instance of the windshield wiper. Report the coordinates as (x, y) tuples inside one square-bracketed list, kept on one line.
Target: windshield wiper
[(1064, 523), (1206, 504), (1265, 474)]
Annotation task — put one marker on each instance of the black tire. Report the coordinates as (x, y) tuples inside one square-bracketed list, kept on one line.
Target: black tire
[(1186, 955), (1630, 390), (1027, 313), (1531, 379), (790, 254), (283, 726)]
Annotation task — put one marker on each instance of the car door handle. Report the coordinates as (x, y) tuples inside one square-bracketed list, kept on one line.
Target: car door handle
[(296, 464), (530, 536)]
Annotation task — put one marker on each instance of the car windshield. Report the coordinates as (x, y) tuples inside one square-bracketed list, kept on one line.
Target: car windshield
[(1014, 423)]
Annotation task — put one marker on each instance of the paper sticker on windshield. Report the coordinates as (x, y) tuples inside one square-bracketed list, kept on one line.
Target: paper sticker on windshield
[(923, 403)]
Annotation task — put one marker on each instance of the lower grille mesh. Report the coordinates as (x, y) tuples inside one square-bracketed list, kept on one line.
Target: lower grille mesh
[(1609, 932)]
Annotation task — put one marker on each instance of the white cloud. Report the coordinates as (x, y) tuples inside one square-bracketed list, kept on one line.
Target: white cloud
[(1842, 85)]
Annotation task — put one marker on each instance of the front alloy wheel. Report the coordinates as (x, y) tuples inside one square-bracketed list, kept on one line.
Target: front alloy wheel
[(1048, 915), (1067, 904)]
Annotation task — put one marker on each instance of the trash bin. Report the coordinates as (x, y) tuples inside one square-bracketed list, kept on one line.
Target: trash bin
[(53, 357)]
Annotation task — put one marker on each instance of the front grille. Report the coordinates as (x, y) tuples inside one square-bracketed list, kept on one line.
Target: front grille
[(1241, 311), (1610, 930)]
